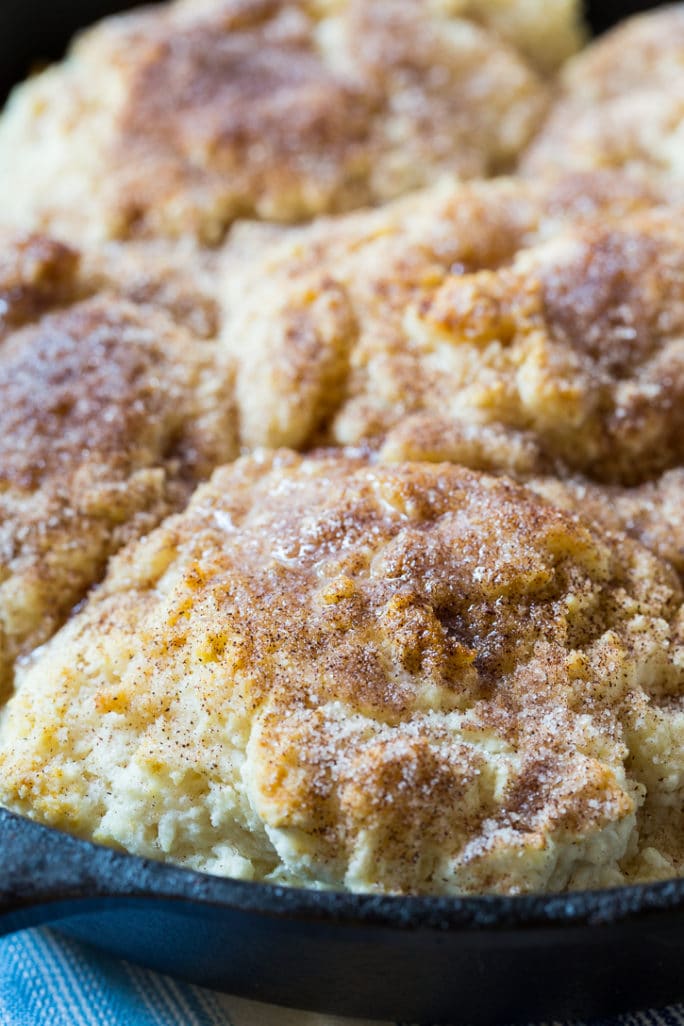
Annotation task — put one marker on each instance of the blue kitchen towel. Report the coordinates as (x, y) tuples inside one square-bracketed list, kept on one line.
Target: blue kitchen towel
[(47, 980)]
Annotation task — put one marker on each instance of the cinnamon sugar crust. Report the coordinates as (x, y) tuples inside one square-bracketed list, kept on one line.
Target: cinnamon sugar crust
[(36, 273), (504, 303), (178, 120), (621, 104), (412, 678), (111, 413), (653, 513)]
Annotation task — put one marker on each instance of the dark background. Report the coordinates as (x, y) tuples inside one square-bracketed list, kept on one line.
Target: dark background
[(33, 32)]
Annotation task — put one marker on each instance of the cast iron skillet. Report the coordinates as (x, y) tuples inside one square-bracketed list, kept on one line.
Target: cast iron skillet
[(448, 960), (477, 960)]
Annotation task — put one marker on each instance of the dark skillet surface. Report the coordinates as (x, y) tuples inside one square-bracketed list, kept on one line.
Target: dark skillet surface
[(477, 960)]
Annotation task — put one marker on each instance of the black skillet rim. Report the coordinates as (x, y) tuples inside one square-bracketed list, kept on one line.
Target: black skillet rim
[(607, 906), (46, 867)]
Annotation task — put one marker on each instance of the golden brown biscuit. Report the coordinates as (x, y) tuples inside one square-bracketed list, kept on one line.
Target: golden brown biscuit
[(177, 120), (410, 678), (653, 513), (110, 414), (36, 273), (490, 304), (621, 104)]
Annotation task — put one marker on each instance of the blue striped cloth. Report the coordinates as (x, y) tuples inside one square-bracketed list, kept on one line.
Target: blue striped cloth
[(46, 980)]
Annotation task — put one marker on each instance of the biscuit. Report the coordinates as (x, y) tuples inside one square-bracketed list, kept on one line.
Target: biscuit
[(653, 513), (111, 413), (621, 104), (178, 120), (410, 678), (547, 32), (487, 304)]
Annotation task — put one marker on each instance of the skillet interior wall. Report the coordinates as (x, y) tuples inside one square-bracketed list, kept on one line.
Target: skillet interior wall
[(34, 32)]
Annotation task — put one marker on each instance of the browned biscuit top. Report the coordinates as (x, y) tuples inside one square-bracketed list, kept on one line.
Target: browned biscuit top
[(36, 273), (494, 303)]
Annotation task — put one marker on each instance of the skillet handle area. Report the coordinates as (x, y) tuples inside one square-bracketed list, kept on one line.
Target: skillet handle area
[(47, 875)]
